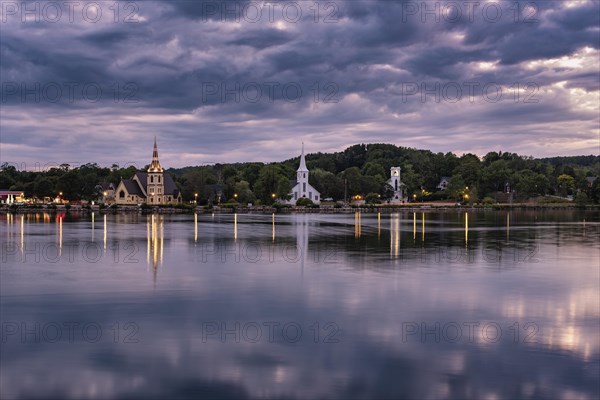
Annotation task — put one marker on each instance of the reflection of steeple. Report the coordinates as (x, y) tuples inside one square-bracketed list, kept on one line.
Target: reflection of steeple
[(302, 240), (155, 234), (155, 165)]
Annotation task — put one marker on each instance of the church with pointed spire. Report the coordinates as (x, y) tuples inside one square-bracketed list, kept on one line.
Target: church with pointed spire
[(153, 187), (300, 187)]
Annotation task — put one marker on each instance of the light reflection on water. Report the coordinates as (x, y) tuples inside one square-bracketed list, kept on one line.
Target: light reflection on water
[(383, 286)]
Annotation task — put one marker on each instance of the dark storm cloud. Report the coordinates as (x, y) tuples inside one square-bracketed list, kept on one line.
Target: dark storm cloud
[(189, 69)]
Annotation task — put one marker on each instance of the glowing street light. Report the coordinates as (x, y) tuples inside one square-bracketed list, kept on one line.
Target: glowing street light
[(195, 198)]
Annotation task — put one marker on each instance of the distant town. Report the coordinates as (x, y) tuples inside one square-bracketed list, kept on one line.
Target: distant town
[(363, 174)]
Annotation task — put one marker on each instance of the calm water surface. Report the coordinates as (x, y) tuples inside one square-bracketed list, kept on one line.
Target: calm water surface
[(478, 305)]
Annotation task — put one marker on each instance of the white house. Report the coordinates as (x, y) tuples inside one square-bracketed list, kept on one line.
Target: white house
[(443, 183), (396, 183), (300, 187)]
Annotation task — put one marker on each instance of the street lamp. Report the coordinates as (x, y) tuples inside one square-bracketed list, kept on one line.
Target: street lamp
[(195, 198), (414, 197), (235, 196)]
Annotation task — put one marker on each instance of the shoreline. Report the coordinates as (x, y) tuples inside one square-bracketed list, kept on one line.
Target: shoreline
[(387, 209)]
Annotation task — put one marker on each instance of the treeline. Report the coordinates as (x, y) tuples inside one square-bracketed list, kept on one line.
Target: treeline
[(359, 170)]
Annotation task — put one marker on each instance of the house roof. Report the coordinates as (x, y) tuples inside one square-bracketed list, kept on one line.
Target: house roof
[(106, 186)]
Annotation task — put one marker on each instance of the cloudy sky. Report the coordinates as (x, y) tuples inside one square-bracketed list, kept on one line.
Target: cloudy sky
[(249, 81)]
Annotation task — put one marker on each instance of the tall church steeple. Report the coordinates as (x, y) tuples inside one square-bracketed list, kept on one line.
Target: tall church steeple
[(155, 183), (155, 164), (302, 172), (302, 167)]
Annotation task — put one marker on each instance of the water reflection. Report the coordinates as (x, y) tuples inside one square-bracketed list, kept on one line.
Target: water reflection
[(195, 227), (154, 241), (394, 235), (347, 278)]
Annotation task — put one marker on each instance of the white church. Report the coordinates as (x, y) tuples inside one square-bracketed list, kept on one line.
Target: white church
[(396, 183), (300, 187)]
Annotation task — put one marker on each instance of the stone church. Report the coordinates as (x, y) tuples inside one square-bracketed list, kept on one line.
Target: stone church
[(154, 187)]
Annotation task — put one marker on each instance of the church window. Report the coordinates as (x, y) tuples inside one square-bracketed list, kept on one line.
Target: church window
[(295, 195), (304, 175), (396, 185), (151, 178), (159, 179), (310, 195), (304, 186)]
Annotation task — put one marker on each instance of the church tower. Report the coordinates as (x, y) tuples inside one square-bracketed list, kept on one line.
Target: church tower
[(155, 184), (396, 183), (302, 175)]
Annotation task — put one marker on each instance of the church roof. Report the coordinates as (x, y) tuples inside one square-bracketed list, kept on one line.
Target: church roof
[(133, 187)]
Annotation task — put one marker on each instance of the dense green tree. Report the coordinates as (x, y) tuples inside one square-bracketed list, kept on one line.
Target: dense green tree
[(566, 184)]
